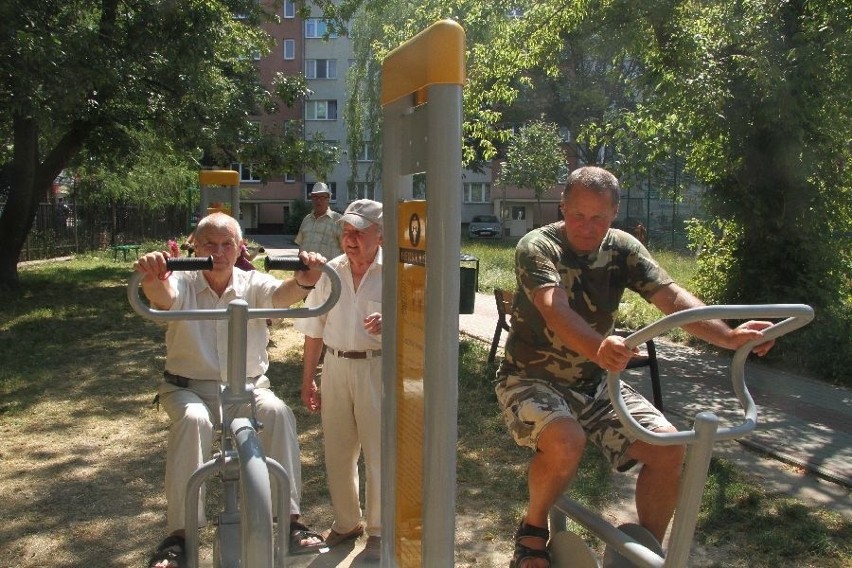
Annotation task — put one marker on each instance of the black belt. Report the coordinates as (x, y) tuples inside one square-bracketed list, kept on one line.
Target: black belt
[(369, 354), (176, 380), (183, 382)]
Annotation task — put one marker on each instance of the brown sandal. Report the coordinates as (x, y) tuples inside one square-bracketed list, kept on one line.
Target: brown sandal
[(523, 552), (333, 538), (299, 533)]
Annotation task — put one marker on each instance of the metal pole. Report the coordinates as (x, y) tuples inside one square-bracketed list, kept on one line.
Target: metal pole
[(692, 489), (440, 379)]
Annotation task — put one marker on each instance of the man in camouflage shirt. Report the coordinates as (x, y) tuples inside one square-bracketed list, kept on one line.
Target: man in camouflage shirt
[(550, 386)]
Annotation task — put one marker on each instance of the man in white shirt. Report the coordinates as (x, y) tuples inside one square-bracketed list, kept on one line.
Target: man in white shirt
[(320, 230), (196, 370), (350, 400)]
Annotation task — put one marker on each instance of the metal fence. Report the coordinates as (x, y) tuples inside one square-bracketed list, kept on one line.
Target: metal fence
[(62, 228), (663, 220)]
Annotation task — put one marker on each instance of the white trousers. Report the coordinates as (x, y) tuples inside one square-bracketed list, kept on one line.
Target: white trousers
[(194, 414), (351, 391)]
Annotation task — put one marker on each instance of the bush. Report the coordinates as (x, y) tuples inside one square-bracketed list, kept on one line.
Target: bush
[(822, 348), (299, 209)]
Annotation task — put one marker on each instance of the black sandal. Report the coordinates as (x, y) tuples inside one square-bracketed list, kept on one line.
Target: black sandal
[(298, 533), (523, 552), (172, 549)]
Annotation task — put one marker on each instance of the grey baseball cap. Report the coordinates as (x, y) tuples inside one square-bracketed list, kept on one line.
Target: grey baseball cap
[(363, 213)]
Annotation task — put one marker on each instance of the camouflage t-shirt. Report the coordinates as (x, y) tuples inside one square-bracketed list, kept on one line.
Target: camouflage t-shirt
[(595, 284)]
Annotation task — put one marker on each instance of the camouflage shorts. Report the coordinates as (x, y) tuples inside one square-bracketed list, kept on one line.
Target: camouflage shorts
[(528, 405)]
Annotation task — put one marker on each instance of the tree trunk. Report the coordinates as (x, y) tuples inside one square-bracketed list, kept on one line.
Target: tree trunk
[(22, 202), (31, 180)]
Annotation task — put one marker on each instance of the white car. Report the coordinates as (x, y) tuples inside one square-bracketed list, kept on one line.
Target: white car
[(485, 226)]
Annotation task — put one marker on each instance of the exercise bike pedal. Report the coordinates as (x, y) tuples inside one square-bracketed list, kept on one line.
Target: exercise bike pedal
[(569, 549), (613, 559)]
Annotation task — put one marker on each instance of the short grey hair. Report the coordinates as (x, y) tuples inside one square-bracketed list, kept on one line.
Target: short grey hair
[(595, 179), (219, 220)]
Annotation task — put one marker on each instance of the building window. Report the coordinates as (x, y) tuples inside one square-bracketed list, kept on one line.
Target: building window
[(289, 9), (332, 188), (478, 192), (318, 28), (246, 173), (321, 68), (289, 177), (366, 152), (329, 146), (362, 190), (289, 48), (321, 110)]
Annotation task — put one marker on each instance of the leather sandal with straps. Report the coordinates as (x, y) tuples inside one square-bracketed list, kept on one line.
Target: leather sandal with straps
[(523, 552), (171, 552), (333, 538)]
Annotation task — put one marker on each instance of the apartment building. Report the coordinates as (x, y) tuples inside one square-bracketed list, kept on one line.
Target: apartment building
[(306, 46), (264, 207), (327, 58)]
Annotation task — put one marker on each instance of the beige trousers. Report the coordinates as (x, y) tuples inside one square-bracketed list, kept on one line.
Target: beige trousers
[(351, 392), (194, 415)]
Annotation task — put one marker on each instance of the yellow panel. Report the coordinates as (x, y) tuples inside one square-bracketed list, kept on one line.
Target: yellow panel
[(226, 209), (410, 338), (218, 177), (435, 56)]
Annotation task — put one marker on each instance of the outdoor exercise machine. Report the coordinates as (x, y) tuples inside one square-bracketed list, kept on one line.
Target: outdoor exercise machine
[(218, 188), (631, 544), (244, 529), (421, 98)]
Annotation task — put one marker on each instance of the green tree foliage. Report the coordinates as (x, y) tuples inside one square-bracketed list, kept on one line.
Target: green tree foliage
[(153, 178), (128, 92), (492, 70), (535, 159), (756, 93), (749, 98)]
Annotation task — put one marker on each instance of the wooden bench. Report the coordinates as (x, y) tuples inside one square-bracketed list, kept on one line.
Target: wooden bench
[(504, 308), (504, 300), (124, 249)]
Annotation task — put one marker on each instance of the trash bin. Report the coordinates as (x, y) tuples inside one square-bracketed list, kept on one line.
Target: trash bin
[(468, 282)]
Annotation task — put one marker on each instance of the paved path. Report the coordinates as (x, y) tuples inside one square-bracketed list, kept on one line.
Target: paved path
[(804, 426), (804, 422)]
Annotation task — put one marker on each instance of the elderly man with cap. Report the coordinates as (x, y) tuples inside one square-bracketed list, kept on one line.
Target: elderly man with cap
[(320, 232), (350, 400)]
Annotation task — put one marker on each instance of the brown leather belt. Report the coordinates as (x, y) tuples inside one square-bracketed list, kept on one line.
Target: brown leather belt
[(369, 354)]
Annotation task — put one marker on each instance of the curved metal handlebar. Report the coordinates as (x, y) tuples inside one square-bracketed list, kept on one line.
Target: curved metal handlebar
[(277, 263), (797, 315)]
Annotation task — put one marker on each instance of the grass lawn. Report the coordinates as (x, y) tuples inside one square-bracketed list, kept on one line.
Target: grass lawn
[(81, 469)]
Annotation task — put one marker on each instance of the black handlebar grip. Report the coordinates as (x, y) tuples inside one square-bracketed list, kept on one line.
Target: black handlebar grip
[(283, 263), (190, 263)]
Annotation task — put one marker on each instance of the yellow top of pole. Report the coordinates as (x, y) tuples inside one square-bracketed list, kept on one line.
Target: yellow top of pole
[(434, 56), (218, 177)]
